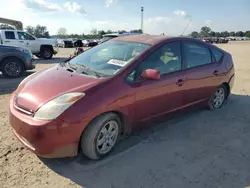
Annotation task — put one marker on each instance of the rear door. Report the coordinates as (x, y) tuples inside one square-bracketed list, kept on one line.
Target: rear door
[(157, 97), (201, 74), (10, 38)]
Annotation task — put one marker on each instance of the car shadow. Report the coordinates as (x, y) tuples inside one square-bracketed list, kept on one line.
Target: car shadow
[(186, 151), (8, 85)]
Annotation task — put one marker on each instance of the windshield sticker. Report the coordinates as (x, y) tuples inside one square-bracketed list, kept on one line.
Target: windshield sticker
[(117, 62)]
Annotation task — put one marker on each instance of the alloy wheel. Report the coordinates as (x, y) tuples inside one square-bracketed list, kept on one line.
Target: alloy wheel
[(13, 69), (218, 98), (107, 137)]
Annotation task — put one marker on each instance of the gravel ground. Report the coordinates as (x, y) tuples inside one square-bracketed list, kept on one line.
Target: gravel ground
[(199, 149)]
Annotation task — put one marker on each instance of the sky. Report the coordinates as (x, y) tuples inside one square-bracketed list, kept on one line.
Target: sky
[(160, 16)]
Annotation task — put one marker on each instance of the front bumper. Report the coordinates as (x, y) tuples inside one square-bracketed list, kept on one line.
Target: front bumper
[(48, 139), (55, 49), (30, 65)]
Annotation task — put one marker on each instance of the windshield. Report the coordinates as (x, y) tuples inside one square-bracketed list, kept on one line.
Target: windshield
[(106, 59)]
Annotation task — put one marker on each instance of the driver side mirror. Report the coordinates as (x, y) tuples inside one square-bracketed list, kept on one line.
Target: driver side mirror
[(151, 74)]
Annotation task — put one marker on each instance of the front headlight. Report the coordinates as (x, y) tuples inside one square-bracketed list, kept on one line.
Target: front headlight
[(54, 108)]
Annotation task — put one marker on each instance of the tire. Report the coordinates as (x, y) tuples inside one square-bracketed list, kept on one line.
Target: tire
[(95, 133), (46, 52), (12, 67), (218, 98)]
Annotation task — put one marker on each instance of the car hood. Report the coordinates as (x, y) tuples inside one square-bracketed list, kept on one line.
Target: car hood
[(45, 85), (45, 41)]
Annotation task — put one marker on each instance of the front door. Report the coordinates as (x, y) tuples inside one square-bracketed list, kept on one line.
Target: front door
[(157, 97), (201, 74), (28, 41)]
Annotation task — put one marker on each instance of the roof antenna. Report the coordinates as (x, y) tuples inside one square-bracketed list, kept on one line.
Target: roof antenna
[(186, 27)]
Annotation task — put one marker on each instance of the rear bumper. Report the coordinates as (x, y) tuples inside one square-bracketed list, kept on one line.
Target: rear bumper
[(48, 139)]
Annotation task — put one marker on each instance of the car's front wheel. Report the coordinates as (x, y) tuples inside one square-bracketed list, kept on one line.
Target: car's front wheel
[(12, 67), (100, 136), (218, 98)]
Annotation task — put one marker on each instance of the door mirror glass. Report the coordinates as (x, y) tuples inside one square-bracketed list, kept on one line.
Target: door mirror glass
[(151, 74)]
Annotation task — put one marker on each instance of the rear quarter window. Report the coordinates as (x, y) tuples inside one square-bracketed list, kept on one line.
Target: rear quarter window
[(217, 54)]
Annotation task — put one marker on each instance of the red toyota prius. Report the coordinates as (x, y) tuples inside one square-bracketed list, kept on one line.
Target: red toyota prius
[(114, 88)]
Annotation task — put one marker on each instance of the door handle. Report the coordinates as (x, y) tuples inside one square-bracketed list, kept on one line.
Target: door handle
[(7, 41), (21, 41), (180, 82), (215, 73)]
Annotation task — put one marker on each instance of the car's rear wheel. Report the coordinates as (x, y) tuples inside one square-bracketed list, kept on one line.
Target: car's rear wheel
[(218, 98), (12, 67), (46, 53), (100, 136)]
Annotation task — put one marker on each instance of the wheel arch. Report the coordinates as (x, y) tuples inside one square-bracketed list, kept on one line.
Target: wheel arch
[(227, 87), (46, 46)]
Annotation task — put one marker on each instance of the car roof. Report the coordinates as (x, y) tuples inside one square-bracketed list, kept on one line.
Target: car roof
[(147, 39)]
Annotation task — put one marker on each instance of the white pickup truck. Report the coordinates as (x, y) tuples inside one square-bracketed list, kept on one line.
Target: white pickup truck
[(42, 48)]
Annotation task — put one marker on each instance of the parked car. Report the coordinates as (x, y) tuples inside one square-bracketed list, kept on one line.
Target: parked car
[(68, 43), (117, 87), (42, 48), (60, 43), (14, 61), (78, 43), (89, 43)]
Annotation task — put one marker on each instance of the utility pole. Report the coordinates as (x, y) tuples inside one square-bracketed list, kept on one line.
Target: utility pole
[(142, 9)]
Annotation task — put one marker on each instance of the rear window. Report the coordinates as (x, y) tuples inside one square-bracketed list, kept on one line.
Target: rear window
[(217, 54), (10, 35)]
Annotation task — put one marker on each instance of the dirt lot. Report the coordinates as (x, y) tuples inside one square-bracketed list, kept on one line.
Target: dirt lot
[(200, 149)]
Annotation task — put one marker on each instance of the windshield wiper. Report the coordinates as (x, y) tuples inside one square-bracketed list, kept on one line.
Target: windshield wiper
[(87, 70)]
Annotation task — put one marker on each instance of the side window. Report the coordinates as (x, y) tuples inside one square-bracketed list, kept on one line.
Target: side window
[(196, 54), (24, 36), (166, 59), (217, 54), (10, 35)]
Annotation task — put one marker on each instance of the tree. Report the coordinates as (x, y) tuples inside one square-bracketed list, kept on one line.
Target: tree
[(30, 30), (239, 34), (109, 31), (62, 32), (247, 34), (224, 34), (101, 32), (195, 34), (232, 34), (93, 32), (136, 31), (205, 31), (217, 34), (41, 31), (38, 31), (212, 34), (6, 26)]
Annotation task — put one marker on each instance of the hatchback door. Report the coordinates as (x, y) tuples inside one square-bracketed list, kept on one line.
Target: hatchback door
[(201, 74), (157, 97)]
